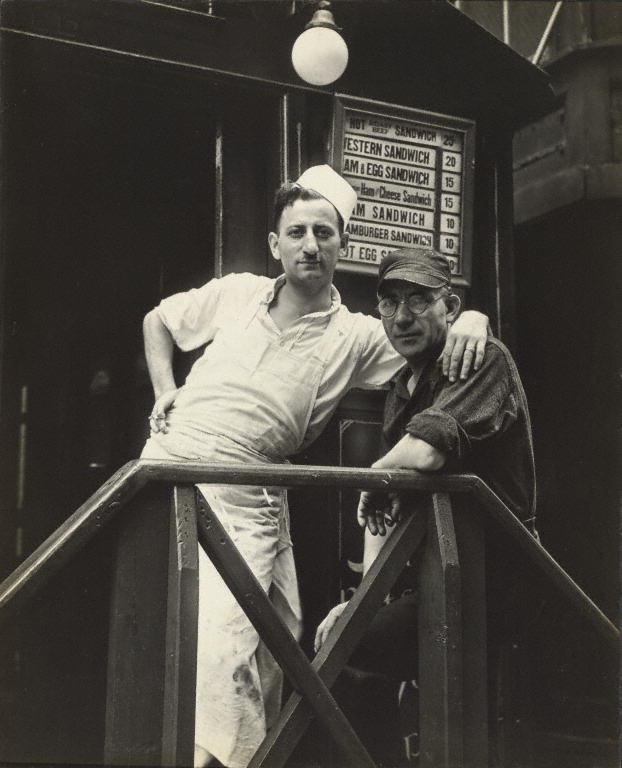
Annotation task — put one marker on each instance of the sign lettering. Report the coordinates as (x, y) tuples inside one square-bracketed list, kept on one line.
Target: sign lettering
[(409, 176)]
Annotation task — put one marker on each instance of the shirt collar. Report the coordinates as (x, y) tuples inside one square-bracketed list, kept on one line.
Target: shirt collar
[(279, 282), (432, 372)]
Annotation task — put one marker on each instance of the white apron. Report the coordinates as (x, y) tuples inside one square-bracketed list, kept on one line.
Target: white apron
[(238, 682)]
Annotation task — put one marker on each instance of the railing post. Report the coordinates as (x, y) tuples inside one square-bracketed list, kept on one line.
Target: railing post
[(469, 529), (181, 632), (137, 629), (440, 643)]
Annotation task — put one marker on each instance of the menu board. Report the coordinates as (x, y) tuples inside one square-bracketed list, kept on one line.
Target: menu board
[(412, 172)]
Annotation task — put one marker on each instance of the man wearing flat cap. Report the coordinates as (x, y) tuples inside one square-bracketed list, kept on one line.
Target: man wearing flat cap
[(281, 354), (480, 425)]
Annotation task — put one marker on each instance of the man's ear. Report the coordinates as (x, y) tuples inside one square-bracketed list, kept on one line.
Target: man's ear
[(453, 303), (344, 243), (273, 242)]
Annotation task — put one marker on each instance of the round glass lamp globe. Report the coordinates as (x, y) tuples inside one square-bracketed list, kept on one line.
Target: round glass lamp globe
[(320, 56)]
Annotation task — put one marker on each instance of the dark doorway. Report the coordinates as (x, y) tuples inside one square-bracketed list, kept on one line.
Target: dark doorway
[(109, 205)]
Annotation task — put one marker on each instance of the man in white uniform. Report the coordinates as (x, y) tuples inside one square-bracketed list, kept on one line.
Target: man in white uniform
[(281, 354)]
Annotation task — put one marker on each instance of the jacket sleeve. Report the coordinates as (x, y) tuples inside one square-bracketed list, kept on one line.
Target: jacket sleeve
[(464, 413)]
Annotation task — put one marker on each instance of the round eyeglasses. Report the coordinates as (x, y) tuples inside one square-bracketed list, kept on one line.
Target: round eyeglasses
[(416, 303)]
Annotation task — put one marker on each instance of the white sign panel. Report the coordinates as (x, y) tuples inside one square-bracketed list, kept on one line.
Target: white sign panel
[(410, 176)]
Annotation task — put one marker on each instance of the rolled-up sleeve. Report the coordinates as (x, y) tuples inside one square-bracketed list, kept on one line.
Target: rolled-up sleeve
[(189, 316), (192, 317), (467, 412)]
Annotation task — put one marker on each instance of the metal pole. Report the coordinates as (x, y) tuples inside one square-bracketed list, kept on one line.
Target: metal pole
[(506, 22), (536, 57)]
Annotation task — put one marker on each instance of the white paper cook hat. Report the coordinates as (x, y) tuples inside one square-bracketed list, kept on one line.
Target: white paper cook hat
[(328, 183)]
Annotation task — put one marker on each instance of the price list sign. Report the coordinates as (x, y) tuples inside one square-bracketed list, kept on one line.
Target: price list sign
[(412, 172)]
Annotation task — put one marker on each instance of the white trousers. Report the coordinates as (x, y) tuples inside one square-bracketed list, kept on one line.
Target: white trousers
[(238, 694), (238, 682)]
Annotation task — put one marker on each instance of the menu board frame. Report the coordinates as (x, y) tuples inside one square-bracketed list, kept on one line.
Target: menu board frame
[(378, 114)]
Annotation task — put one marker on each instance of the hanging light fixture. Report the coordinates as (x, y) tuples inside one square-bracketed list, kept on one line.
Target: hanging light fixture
[(320, 54)]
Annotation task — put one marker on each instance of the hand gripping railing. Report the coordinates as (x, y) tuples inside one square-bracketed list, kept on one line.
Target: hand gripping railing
[(453, 713)]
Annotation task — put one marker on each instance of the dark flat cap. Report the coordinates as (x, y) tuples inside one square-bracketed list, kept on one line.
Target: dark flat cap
[(422, 266)]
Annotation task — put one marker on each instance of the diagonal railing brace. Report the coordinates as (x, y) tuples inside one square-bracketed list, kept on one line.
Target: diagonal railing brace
[(344, 636), (248, 592)]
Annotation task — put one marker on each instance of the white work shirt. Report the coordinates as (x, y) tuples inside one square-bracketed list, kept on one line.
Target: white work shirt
[(351, 350), (256, 394)]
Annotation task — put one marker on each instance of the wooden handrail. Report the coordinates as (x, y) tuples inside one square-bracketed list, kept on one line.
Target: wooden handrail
[(103, 505), (80, 527), (541, 557), (73, 534)]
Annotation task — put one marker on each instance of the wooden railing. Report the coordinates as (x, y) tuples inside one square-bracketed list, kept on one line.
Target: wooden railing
[(152, 645)]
